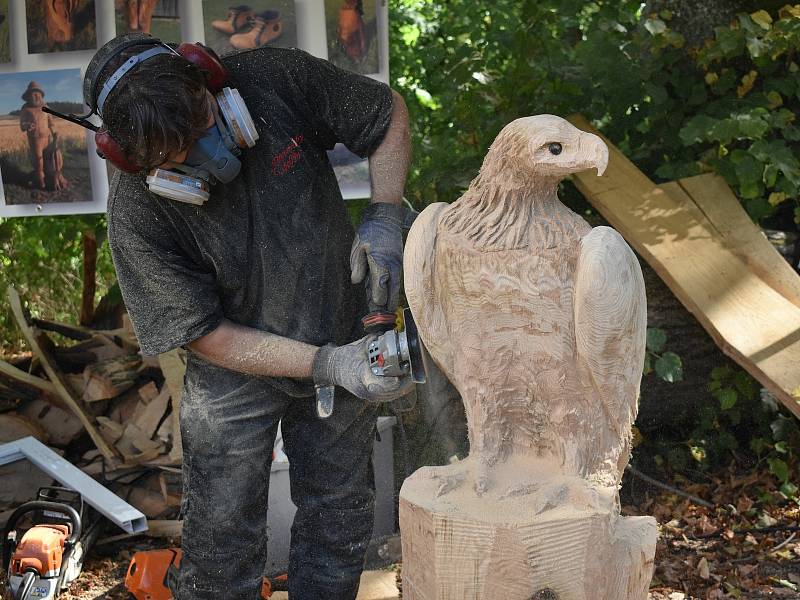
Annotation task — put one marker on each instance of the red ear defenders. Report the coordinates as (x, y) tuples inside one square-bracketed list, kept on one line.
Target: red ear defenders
[(107, 147)]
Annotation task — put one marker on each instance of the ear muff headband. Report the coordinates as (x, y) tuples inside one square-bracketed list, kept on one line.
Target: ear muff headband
[(105, 55), (127, 66)]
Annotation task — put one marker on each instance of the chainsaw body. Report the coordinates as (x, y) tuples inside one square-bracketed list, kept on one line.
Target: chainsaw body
[(48, 556)]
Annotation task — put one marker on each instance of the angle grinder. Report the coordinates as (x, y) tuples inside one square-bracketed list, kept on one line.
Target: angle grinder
[(392, 354)]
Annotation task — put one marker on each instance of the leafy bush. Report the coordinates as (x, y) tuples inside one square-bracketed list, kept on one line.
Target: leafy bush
[(468, 68)]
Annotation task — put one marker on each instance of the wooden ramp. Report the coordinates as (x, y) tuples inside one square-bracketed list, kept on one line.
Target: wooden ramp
[(701, 242)]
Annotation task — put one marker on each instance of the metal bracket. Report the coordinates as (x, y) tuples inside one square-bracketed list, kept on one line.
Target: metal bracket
[(108, 504)]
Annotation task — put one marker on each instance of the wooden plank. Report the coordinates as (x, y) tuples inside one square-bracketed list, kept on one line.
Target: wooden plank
[(749, 319), (20, 375), (55, 377), (150, 416), (719, 205), (173, 365)]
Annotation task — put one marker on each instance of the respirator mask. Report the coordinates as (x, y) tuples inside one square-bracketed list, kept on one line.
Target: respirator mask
[(213, 158)]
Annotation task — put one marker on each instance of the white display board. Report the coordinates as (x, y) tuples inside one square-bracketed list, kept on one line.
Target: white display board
[(58, 75)]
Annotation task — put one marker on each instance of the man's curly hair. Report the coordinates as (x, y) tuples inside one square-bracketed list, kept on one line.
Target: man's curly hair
[(160, 108)]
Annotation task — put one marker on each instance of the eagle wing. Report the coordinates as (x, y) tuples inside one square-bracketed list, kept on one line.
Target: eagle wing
[(610, 330), (420, 285)]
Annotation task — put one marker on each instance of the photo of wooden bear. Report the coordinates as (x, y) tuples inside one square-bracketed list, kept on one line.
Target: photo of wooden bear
[(351, 29), (159, 18), (68, 25), (138, 13), (352, 35)]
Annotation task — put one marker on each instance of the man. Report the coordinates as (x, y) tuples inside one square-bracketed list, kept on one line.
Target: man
[(38, 126), (256, 283)]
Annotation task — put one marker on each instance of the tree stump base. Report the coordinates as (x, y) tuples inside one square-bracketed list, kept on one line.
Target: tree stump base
[(562, 539)]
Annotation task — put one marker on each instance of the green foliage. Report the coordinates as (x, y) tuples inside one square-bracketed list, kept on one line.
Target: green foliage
[(668, 365), (43, 258), (740, 420), (467, 68)]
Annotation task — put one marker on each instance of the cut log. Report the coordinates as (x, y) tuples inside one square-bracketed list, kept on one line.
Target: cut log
[(107, 349), (26, 378), (61, 425), (171, 488), (136, 447), (110, 429), (124, 406), (148, 417), (110, 378), (74, 332), (147, 392), (55, 377), (460, 548), (21, 479), (149, 502)]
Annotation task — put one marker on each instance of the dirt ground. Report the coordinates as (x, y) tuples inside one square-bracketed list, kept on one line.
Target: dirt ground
[(746, 547)]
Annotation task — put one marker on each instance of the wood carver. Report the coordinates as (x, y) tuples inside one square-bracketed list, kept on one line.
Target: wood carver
[(539, 321)]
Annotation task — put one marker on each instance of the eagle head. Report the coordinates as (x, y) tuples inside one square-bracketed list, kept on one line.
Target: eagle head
[(542, 147)]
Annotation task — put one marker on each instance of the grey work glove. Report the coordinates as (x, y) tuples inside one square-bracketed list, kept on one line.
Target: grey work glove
[(377, 253), (348, 367)]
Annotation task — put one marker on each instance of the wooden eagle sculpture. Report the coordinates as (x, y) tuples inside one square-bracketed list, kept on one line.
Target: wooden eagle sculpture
[(539, 321)]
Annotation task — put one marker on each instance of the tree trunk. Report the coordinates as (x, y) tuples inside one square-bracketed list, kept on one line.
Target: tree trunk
[(89, 276), (696, 20), (665, 406)]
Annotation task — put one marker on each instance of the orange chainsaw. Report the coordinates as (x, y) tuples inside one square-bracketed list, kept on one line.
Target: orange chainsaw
[(49, 554), (152, 575)]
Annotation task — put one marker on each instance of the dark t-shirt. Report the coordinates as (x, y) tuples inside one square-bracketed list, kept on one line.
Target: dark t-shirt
[(269, 250)]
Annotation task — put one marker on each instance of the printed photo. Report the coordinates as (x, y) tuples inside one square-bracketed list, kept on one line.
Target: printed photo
[(60, 25), (160, 18), (5, 43), (352, 29), (43, 158), (247, 26), (352, 172)]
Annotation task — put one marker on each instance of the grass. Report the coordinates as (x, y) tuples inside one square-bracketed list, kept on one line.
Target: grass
[(85, 37), (370, 63), (217, 10), (17, 171)]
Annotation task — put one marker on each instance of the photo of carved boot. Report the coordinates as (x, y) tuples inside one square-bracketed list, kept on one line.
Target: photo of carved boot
[(238, 20), (267, 26)]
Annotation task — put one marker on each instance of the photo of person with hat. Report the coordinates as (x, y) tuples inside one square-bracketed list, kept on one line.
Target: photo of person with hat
[(43, 160), (39, 127)]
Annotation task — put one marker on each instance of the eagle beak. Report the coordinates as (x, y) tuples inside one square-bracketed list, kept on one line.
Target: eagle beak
[(595, 151)]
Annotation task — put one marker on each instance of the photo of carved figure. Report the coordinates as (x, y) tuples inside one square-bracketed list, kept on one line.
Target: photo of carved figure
[(160, 18), (230, 27), (60, 25), (5, 43), (42, 159), (352, 35)]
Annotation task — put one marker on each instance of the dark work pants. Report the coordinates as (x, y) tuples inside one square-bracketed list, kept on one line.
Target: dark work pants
[(227, 445)]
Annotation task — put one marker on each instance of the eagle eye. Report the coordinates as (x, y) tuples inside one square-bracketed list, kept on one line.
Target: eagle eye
[(555, 148)]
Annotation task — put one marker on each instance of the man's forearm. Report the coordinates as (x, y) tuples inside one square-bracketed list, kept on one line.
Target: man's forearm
[(388, 165), (255, 352)]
